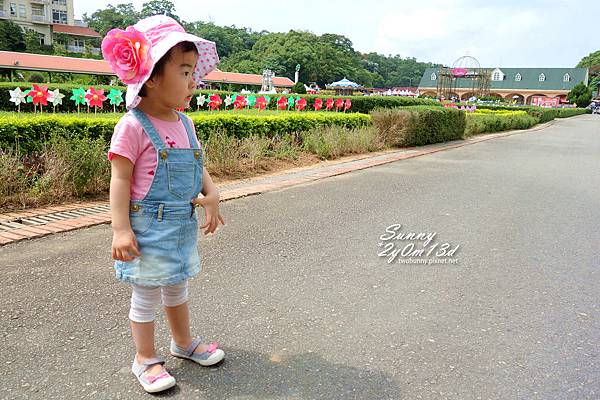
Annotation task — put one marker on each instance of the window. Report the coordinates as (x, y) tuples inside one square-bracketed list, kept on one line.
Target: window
[(42, 38), (566, 78), (79, 43), (496, 76), (37, 10), (13, 9), (542, 77), (518, 77), (433, 76), (59, 17), (60, 2)]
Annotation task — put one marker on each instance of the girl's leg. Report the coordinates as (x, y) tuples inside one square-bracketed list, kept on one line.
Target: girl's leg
[(141, 315), (175, 299)]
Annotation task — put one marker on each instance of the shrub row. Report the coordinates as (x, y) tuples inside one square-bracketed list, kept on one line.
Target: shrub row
[(487, 122), (419, 125), (542, 114), (28, 132)]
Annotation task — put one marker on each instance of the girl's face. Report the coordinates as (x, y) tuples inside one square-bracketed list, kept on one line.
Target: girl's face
[(175, 87)]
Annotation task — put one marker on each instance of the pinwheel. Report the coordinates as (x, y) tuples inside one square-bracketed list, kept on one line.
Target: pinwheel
[(17, 96), (282, 103), (239, 103), (261, 103), (200, 100), (55, 97), (228, 101), (39, 95), (347, 105), (339, 103), (78, 97), (251, 100), (215, 102), (291, 102), (95, 98), (318, 104), (300, 103), (116, 98), (329, 104)]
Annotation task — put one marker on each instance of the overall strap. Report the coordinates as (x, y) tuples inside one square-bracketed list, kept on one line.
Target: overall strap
[(188, 128), (148, 127)]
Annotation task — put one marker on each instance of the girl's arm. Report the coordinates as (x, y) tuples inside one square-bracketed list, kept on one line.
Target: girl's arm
[(210, 202), (124, 243)]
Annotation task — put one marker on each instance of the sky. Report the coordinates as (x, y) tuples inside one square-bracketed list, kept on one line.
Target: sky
[(507, 33)]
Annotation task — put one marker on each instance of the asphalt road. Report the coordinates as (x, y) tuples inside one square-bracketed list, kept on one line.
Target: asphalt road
[(304, 306)]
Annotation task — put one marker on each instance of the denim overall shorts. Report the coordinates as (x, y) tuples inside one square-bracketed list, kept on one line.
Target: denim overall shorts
[(165, 222)]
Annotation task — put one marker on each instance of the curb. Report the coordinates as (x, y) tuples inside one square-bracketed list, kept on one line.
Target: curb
[(39, 222)]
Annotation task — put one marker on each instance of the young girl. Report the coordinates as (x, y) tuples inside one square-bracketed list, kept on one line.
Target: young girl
[(157, 176)]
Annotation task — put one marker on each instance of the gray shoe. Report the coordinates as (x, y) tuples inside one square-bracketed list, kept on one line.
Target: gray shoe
[(150, 383), (210, 357)]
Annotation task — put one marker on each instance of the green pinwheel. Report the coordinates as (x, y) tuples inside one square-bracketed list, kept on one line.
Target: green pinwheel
[(251, 101), (115, 96), (291, 102), (78, 97)]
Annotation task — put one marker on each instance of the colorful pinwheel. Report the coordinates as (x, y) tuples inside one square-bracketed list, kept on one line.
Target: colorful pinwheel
[(282, 103), (55, 97), (318, 104), (215, 102), (17, 96), (261, 103), (95, 98), (300, 103), (329, 104)]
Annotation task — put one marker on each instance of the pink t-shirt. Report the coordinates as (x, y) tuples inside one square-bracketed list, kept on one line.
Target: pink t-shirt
[(131, 141)]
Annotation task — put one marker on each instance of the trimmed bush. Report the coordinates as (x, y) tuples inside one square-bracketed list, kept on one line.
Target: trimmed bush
[(419, 125), (542, 114), (28, 132), (487, 122)]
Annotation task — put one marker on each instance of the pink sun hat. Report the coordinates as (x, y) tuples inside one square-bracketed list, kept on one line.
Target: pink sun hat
[(133, 52)]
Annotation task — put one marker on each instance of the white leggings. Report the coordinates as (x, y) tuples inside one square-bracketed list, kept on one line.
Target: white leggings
[(144, 299)]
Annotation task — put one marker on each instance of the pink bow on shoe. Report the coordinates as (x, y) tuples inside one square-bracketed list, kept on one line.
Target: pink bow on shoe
[(152, 379), (212, 347)]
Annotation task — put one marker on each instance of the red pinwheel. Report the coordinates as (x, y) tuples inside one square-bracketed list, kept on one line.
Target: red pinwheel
[(39, 95), (282, 103), (239, 103), (301, 104), (261, 103), (215, 102), (329, 104), (95, 97), (318, 104), (339, 103), (347, 105)]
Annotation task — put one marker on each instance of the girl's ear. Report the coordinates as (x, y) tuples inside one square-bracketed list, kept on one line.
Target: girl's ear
[(151, 83)]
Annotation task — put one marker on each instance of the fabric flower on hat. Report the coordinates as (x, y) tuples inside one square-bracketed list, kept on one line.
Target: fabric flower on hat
[(128, 54)]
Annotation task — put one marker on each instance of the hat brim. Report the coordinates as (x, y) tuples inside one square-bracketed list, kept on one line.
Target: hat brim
[(207, 61)]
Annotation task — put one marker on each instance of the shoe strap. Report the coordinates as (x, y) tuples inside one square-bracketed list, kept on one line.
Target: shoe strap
[(190, 350)]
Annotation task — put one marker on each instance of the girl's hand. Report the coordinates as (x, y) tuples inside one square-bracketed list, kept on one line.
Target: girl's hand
[(124, 245), (210, 204)]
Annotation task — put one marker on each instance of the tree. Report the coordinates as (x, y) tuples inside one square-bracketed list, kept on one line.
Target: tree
[(299, 88), (111, 17), (11, 36), (159, 7), (590, 60), (580, 95)]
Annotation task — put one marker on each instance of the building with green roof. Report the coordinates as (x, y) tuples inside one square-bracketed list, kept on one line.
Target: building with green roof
[(514, 84)]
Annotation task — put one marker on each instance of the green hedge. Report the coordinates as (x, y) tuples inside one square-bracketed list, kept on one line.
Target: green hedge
[(360, 104), (486, 123), (542, 114), (419, 125), (28, 132)]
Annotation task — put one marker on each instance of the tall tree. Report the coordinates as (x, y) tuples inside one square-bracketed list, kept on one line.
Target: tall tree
[(11, 36)]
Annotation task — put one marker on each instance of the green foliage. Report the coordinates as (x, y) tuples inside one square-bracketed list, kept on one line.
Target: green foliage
[(299, 88), (590, 60), (498, 121), (580, 95), (11, 36), (29, 132), (419, 125)]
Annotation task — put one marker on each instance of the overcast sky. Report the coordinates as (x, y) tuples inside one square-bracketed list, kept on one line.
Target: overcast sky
[(506, 33)]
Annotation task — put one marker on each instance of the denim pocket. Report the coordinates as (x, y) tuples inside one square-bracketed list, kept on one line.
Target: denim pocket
[(181, 177), (140, 222)]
